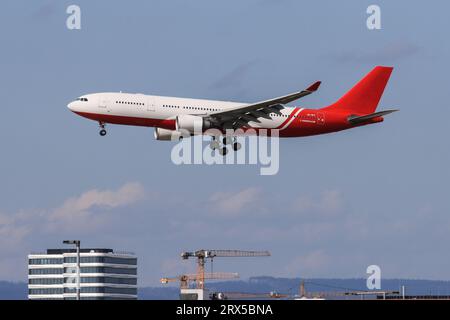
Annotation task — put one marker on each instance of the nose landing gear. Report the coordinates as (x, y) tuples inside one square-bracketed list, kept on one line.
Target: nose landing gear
[(102, 129)]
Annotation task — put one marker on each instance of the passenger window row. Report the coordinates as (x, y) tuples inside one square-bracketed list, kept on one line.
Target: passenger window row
[(192, 108), (278, 115), (130, 102)]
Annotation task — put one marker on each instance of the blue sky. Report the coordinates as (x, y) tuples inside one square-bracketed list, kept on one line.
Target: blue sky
[(340, 202)]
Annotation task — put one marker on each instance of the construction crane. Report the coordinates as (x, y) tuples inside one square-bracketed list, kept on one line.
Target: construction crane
[(186, 278), (203, 254)]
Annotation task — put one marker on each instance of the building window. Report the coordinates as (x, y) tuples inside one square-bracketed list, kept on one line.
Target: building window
[(110, 260), (111, 270), (102, 290), (46, 291), (46, 281), (113, 280), (46, 271), (46, 261)]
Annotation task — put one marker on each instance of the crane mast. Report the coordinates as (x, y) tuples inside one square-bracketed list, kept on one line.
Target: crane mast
[(203, 254)]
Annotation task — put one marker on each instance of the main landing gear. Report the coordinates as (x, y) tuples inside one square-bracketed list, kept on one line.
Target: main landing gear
[(102, 129), (222, 145)]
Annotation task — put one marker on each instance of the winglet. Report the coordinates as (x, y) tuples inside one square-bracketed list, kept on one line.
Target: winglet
[(314, 86)]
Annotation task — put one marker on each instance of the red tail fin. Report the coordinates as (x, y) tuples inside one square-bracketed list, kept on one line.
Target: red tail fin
[(363, 98)]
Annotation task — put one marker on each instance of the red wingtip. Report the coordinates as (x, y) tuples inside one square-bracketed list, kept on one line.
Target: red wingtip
[(314, 86)]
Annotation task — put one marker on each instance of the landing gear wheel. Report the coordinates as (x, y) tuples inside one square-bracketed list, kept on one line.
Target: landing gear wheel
[(227, 140), (236, 146), (102, 128), (223, 151), (214, 145)]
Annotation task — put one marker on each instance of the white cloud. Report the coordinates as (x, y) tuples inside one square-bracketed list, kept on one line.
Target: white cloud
[(19, 232), (127, 194), (88, 210), (229, 203), (13, 230), (73, 214), (330, 203)]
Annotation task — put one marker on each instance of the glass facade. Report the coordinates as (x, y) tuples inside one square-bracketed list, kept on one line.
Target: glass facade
[(110, 270), (109, 260), (46, 281), (46, 271), (102, 290), (50, 272), (45, 261), (113, 280), (46, 291)]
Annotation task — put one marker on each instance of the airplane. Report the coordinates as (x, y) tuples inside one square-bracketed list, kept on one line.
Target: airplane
[(172, 117)]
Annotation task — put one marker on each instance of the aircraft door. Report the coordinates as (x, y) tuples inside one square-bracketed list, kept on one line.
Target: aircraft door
[(150, 104), (320, 118), (105, 104)]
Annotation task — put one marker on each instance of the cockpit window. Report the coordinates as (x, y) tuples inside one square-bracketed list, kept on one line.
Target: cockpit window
[(82, 99)]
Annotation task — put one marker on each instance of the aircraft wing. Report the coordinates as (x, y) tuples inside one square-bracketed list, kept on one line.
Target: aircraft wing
[(240, 116)]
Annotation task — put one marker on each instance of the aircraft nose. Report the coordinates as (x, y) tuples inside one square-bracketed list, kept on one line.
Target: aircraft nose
[(71, 106)]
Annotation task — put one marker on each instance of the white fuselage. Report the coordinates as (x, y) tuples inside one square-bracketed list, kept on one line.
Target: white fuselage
[(158, 111)]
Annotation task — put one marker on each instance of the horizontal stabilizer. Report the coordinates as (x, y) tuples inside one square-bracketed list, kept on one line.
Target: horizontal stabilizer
[(361, 119)]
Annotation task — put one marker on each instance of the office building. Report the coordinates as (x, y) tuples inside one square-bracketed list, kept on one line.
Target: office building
[(104, 275)]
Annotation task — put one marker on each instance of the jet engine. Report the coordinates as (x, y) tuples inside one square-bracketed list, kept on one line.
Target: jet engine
[(167, 135), (192, 123)]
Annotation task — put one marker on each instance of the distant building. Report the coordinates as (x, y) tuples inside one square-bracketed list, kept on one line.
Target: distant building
[(194, 294), (105, 275)]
